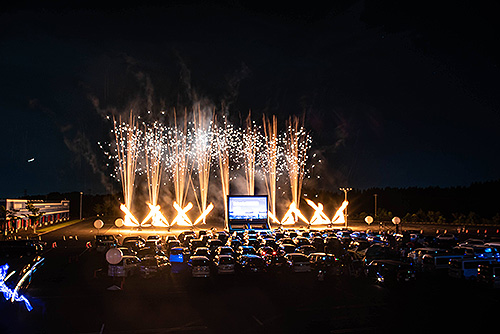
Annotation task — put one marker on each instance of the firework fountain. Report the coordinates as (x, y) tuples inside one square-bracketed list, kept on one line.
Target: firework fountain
[(250, 148), (179, 145), (202, 149), (154, 150), (270, 159), (223, 140), (127, 136), (180, 156)]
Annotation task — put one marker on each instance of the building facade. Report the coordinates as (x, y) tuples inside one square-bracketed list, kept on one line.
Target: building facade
[(17, 216)]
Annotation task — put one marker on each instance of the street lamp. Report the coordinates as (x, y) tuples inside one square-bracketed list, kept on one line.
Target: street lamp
[(345, 190), (81, 196)]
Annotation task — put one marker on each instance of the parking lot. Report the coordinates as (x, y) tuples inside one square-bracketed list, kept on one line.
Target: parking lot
[(71, 294)]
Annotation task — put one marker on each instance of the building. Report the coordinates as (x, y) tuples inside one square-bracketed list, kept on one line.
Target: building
[(54, 212)]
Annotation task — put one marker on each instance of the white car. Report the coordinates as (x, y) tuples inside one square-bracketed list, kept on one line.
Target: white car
[(129, 265), (200, 266), (224, 264)]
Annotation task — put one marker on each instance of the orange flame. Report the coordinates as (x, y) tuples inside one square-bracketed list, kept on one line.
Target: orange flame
[(204, 214), (338, 218)]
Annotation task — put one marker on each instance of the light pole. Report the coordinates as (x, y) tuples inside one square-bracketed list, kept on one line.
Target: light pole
[(345, 190), (81, 196), (376, 195)]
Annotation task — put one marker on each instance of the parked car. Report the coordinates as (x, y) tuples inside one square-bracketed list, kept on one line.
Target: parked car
[(139, 239), (245, 250), (298, 263), (213, 244), (477, 251), (225, 250), (489, 274), (306, 249), (390, 271), (128, 266), (466, 268), (224, 264), (325, 262), (104, 242), (202, 251), (200, 266), (155, 266), (436, 263), (287, 248), (416, 255), (250, 263), (195, 243)]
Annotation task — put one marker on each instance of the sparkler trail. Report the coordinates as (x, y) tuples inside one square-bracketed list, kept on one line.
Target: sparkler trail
[(202, 149), (174, 152), (127, 138), (270, 159), (297, 144), (250, 149), (179, 145), (154, 150), (223, 142)]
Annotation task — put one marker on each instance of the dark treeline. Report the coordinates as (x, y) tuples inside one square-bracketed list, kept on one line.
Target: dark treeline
[(475, 204)]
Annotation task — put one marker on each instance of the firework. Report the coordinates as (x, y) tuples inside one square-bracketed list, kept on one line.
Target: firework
[(223, 146), (128, 138), (297, 144), (154, 150), (202, 152), (251, 141), (270, 160), (178, 147)]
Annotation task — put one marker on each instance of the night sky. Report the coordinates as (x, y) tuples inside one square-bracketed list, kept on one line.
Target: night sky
[(395, 93)]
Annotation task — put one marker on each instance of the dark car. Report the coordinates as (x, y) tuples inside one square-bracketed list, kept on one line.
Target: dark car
[(390, 271), (155, 266), (251, 264), (379, 252), (225, 250), (245, 250), (133, 245), (139, 239), (104, 242), (286, 248), (306, 249), (195, 243), (145, 252), (203, 251), (489, 274), (263, 251), (327, 263), (213, 244)]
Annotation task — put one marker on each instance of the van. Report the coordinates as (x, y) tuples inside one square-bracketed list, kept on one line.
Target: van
[(466, 267), (437, 262)]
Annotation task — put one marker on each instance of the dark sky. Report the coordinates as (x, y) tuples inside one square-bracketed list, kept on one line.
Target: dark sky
[(396, 93)]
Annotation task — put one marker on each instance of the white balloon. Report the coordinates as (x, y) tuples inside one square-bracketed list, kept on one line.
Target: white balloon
[(119, 222), (396, 220), (114, 256), (98, 224), (369, 219)]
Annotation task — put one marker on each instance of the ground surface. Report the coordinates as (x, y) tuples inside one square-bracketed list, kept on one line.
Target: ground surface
[(70, 295)]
